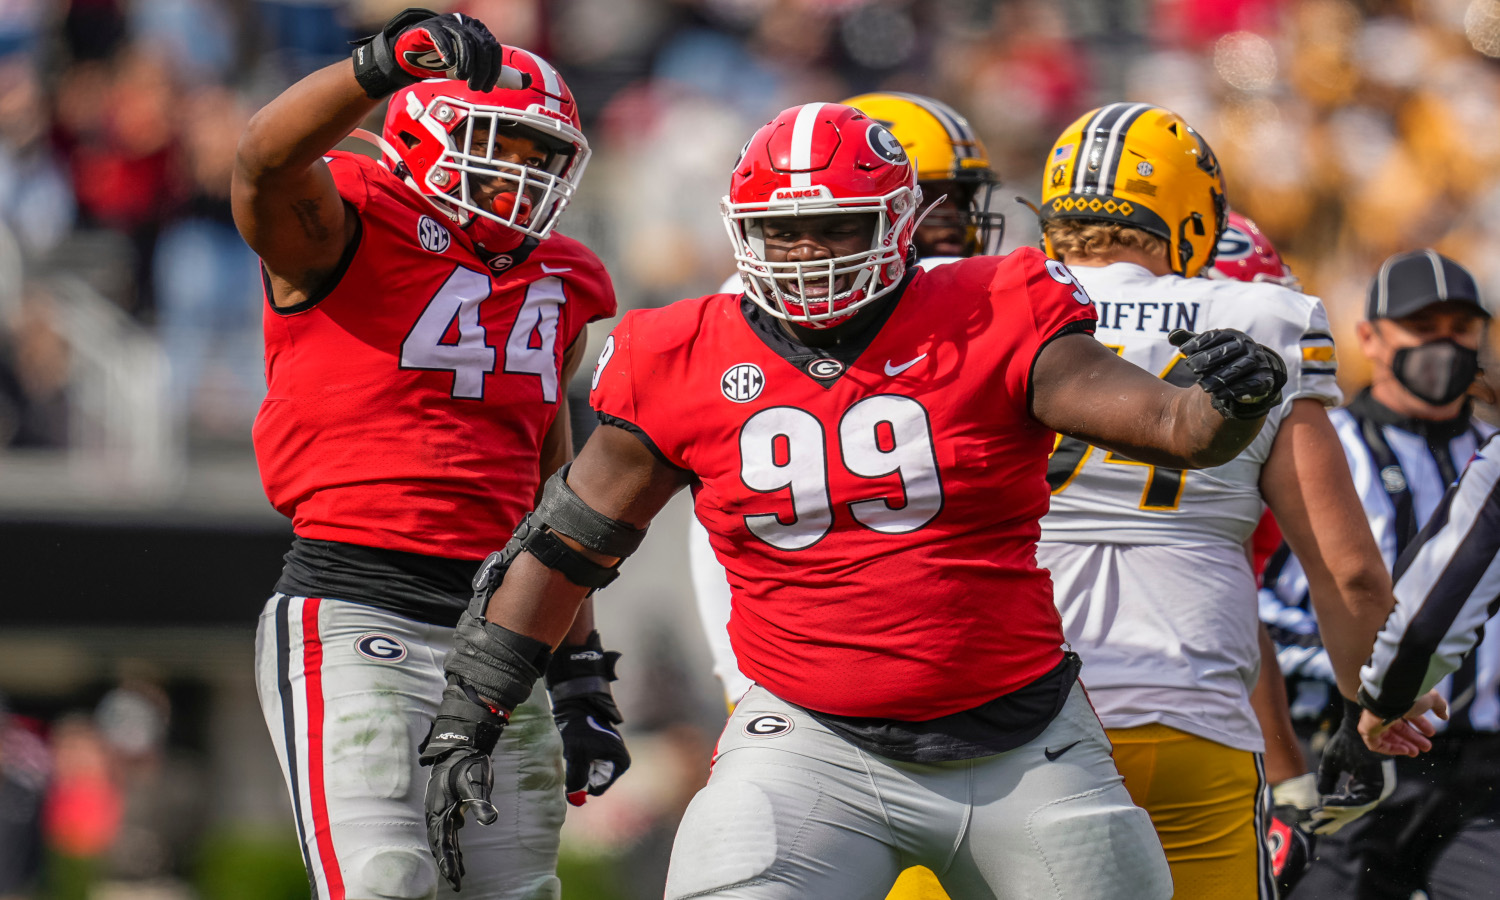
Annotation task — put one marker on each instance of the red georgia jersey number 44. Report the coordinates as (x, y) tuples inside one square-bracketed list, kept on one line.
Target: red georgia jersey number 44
[(783, 448), (529, 348)]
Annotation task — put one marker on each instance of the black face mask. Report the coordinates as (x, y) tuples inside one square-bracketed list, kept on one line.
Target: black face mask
[(1438, 371)]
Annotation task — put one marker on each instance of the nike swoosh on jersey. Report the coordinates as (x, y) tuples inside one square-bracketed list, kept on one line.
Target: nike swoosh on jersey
[(546, 269), (897, 370), (1052, 755)]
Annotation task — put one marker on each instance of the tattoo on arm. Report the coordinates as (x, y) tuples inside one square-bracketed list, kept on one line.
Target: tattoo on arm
[(312, 225)]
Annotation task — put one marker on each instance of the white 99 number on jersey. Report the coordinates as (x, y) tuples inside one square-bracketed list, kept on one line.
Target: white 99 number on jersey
[(1061, 275), (783, 448), (530, 348)]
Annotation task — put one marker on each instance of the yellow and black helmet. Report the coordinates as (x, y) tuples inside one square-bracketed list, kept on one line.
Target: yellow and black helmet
[(945, 148), (1139, 165)]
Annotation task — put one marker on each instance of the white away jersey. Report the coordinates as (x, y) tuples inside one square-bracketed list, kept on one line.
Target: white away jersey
[(1148, 564), (1101, 496)]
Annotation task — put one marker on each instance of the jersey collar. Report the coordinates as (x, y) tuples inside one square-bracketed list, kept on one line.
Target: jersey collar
[(824, 365)]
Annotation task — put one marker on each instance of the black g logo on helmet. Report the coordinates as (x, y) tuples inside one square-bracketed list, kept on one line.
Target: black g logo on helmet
[(885, 144)]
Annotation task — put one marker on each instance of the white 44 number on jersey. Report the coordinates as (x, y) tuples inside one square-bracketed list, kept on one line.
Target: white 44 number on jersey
[(784, 448), (530, 348)]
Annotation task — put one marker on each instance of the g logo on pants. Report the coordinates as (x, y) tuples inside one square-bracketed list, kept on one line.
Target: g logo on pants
[(768, 726), (380, 647)]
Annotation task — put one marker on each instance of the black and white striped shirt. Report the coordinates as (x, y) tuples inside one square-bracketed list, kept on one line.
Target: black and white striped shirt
[(1447, 587), (1401, 469)]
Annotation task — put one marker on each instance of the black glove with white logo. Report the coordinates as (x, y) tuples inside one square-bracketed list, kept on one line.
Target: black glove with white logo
[(1243, 377), (458, 749), (418, 43), (594, 753), (1371, 777)]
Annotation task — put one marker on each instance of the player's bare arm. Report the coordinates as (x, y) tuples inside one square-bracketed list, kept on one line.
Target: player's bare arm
[(1082, 389), (1307, 485), (617, 476), (285, 203)]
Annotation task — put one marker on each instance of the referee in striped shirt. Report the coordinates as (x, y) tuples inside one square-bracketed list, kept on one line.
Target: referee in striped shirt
[(1447, 588), (1407, 437)]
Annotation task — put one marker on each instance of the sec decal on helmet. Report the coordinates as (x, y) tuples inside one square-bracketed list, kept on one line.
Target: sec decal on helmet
[(822, 159), (943, 147), (1140, 165)]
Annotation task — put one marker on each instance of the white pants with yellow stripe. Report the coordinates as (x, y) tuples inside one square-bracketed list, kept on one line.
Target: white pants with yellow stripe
[(348, 692)]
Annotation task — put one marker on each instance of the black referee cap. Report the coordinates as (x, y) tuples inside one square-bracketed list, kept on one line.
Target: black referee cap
[(1409, 282)]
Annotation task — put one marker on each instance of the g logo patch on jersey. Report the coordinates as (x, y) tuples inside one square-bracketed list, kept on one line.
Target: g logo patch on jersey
[(380, 647), (825, 368), (768, 726), (433, 236), (742, 383), (885, 144)]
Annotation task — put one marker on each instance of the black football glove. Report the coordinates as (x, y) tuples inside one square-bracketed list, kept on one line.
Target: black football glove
[(1371, 777), (1292, 803), (593, 751), (1243, 377), (458, 748), (418, 43)]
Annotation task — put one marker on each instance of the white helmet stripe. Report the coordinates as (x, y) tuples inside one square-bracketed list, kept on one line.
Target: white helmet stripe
[(551, 81), (1081, 155), (1116, 146), (802, 134)]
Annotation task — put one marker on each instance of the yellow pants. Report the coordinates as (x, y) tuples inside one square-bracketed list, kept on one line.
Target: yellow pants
[(1207, 803)]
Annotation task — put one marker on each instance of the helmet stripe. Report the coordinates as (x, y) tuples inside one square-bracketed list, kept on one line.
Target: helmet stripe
[(957, 128), (1116, 147), (551, 81), (1101, 120), (802, 135)]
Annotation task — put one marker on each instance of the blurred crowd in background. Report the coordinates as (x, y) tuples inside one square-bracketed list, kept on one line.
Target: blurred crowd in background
[(1348, 130)]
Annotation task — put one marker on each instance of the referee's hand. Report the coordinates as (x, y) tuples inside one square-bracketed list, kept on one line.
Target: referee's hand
[(1408, 735)]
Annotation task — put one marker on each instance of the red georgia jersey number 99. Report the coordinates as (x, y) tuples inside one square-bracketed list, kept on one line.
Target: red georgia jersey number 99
[(783, 448)]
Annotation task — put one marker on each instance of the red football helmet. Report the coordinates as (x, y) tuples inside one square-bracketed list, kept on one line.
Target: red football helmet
[(429, 138), (1246, 254), (816, 160)]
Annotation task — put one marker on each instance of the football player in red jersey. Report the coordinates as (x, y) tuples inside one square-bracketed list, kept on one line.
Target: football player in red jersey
[(422, 322), (867, 446)]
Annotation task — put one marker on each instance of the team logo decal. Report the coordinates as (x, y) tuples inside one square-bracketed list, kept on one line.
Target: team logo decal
[(1144, 169), (380, 647), (825, 368), (1058, 173), (768, 726), (1234, 245), (742, 383), (501, 263), (433, 236), (885, 144)]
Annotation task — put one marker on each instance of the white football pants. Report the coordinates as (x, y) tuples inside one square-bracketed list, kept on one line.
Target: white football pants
[(792, 811), (348, 692)]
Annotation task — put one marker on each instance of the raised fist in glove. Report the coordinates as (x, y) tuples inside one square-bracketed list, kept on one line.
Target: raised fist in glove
[(458, 749), (1371, 777), (418, 43), (1244, 378), (594, 754)]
